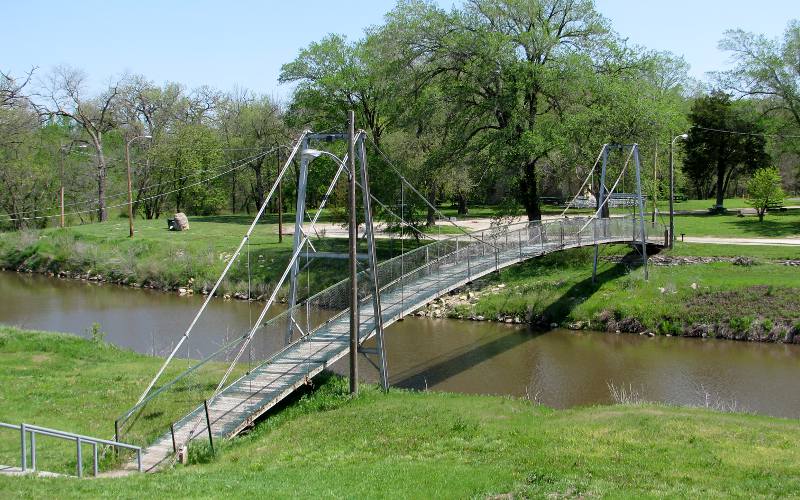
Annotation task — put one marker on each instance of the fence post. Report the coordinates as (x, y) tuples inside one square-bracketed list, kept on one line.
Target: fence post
[(519, 238), (116, 436), (33, 451), (208, 425), (24, 461), (469, 267), (139, 459), (172, 431), (79, 455), (94, 458)]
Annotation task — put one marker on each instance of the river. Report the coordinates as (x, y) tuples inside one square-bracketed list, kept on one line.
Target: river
[(558, 368)]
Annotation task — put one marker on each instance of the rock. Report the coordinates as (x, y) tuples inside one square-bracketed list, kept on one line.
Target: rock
[(662, 289), (517, 320), (470, 295), (227, 296), (179, 223), (553, 325), (508, 320), (479, 318), (651, 334), (183, 291), (693, 286)]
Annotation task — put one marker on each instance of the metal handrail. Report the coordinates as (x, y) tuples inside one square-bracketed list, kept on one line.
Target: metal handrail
[(434, 262), (32, 430)]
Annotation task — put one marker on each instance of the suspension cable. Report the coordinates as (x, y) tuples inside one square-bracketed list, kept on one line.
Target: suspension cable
[(591, 173), (433, 207), (608, 197), (161, 195)]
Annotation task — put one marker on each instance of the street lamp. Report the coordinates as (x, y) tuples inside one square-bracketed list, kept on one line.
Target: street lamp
[(130, 190), (64, 150), (672, 187)]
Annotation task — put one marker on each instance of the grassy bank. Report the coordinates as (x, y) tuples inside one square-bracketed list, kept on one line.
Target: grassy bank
[(157, 258), (707, 292), (404, 444), (79, 385)]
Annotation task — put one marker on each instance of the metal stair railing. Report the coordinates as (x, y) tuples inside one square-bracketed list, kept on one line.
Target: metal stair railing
[(29, 432)]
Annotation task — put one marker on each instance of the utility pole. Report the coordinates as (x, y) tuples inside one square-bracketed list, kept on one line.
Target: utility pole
[(655, 181), (130, 190), (64, 150), (61, 163), (353, 233), (280, 199), (672, 188)]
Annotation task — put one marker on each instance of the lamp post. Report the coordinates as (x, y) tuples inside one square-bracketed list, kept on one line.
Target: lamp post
[(64, 151), (130, 189), (672, 187)]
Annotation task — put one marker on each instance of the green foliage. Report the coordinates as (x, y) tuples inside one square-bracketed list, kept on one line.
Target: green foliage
[(764, 190), (714, 158), (96, 333)]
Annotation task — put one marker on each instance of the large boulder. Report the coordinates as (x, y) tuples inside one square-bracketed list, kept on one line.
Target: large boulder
[(179, 223)]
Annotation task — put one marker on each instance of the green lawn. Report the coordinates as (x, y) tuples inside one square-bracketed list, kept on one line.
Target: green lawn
[(169, 259), (410, 444), (558, 288), (775, 225), (66, 382)]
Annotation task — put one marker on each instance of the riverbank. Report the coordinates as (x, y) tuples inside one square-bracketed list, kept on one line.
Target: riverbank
[(740, 293), (186, 262), (721, 291), (402, 444)]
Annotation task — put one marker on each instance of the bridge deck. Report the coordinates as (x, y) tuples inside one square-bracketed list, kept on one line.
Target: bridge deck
[(237, 406)]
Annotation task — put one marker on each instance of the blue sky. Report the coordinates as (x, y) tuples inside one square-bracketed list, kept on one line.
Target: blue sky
[(243, 43)]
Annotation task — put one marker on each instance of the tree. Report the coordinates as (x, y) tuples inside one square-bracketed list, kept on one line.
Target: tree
[(766, 68), (333, 76), (154, 111), (715, 154), (96, 116), (764, 190)]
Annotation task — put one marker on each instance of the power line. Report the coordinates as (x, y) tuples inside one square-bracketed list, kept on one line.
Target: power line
[(124, 193), (142, 199), (736, 132)]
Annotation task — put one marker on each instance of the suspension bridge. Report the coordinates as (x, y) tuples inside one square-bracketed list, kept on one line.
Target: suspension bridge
[(317, 329)]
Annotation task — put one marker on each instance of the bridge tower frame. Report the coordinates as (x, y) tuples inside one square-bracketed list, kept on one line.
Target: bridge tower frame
[(362, 172), (603, 207)]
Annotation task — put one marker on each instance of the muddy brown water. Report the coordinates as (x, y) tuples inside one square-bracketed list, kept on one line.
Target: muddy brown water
[(560, 368)]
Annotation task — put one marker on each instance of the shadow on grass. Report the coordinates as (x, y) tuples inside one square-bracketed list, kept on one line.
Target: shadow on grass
[(773, 225), (243, 219), (441, 368)]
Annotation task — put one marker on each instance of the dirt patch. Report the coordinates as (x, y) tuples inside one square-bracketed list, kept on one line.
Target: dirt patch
[(40, 358)]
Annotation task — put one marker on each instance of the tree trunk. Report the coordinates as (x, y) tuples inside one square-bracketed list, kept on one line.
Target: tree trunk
[(259, 187), (530, 193), (431, 218), (233, 192), (720, 183), (102, 213), (462, 204)]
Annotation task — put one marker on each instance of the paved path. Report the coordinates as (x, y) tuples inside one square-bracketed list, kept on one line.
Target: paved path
[(718, 240)]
